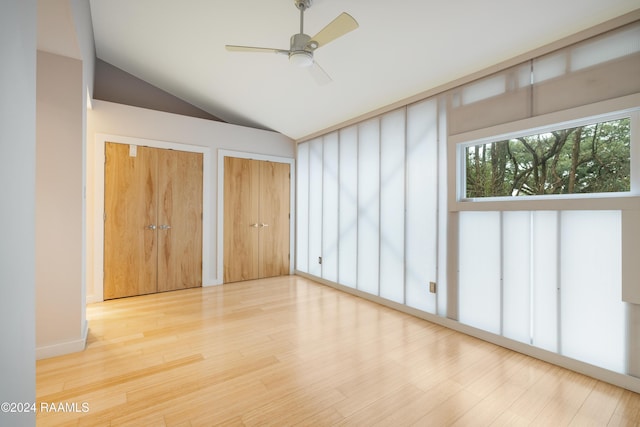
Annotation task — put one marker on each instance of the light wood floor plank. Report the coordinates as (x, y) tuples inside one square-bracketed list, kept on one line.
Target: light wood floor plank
[(288, 351)]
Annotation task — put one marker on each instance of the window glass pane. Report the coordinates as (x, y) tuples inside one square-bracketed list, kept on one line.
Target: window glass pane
[(486, 88), (348, 216), (315, 206), (368, 205), (392, 206), (302, 208), (330, 208), (593, 314), (603, 49), (550, 67), (594, 158), (479, 270)]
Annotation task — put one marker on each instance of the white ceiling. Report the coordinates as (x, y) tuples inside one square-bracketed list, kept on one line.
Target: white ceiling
[(402, 48)]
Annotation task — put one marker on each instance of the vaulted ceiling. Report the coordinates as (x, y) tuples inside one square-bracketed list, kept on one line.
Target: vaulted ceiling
[(401, 48)]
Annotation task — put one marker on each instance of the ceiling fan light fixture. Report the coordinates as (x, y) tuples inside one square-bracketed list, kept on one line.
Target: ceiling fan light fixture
[(301, 58)]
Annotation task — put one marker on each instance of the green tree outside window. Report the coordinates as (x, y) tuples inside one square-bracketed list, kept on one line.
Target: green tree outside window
[(594, 158)]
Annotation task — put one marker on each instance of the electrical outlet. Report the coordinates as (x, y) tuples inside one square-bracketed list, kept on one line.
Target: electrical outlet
[(319, 260), (432, 287)]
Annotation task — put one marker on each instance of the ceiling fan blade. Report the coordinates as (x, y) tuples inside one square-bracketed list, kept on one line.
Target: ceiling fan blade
[(234, 48), (319, 74), (340, 26)]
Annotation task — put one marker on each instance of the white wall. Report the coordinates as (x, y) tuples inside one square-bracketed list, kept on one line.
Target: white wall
[(81, 11), (60, 325), (17, 187), (126, 122), (67, 58)]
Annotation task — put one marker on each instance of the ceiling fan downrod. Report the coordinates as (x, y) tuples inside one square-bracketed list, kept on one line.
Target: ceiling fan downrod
[(302, 5)]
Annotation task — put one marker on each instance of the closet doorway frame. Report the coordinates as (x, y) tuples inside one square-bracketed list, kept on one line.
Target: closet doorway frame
[(222, 153), (98, 188)]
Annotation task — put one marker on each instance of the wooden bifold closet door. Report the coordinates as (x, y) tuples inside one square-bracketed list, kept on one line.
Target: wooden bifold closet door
[(256, 219), (153, 220)]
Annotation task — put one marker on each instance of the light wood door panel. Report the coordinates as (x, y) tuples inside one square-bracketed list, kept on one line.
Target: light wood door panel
[(241, 184), (130, 251), (256, 219), (153, 220), (179, 220), (274, 219)]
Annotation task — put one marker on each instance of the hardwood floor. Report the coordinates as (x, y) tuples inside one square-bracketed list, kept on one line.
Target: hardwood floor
[(286, 350)]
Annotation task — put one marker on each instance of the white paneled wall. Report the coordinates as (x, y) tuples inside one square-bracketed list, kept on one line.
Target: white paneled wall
[(421, 204), (315, 206), (392, 181), (516, 290), (544, 279), (479, 271), (592, 314), (348, 202), (547, 278), (330, 208), (368, 205), (302, 208)]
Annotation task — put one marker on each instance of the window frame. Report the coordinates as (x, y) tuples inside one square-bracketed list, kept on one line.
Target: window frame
[(595, 113)]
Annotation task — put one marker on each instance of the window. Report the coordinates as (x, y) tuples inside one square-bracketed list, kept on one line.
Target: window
[(590, 158)]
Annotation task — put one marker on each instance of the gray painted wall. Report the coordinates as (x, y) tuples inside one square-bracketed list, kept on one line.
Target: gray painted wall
[(115, 85)]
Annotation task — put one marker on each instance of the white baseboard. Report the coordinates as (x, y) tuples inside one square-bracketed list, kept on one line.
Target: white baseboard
[(93, 299), (67, 347)]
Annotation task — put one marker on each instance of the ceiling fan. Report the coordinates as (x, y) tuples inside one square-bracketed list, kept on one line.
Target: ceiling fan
[(302, 46)]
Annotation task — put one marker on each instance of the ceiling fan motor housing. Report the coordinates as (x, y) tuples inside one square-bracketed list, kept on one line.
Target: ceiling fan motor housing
[(300, 54), (300, 42)]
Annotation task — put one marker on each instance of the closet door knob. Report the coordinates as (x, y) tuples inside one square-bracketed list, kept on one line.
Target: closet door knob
[(151, 227), (165, 227), (254, 225), (264, 225)]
